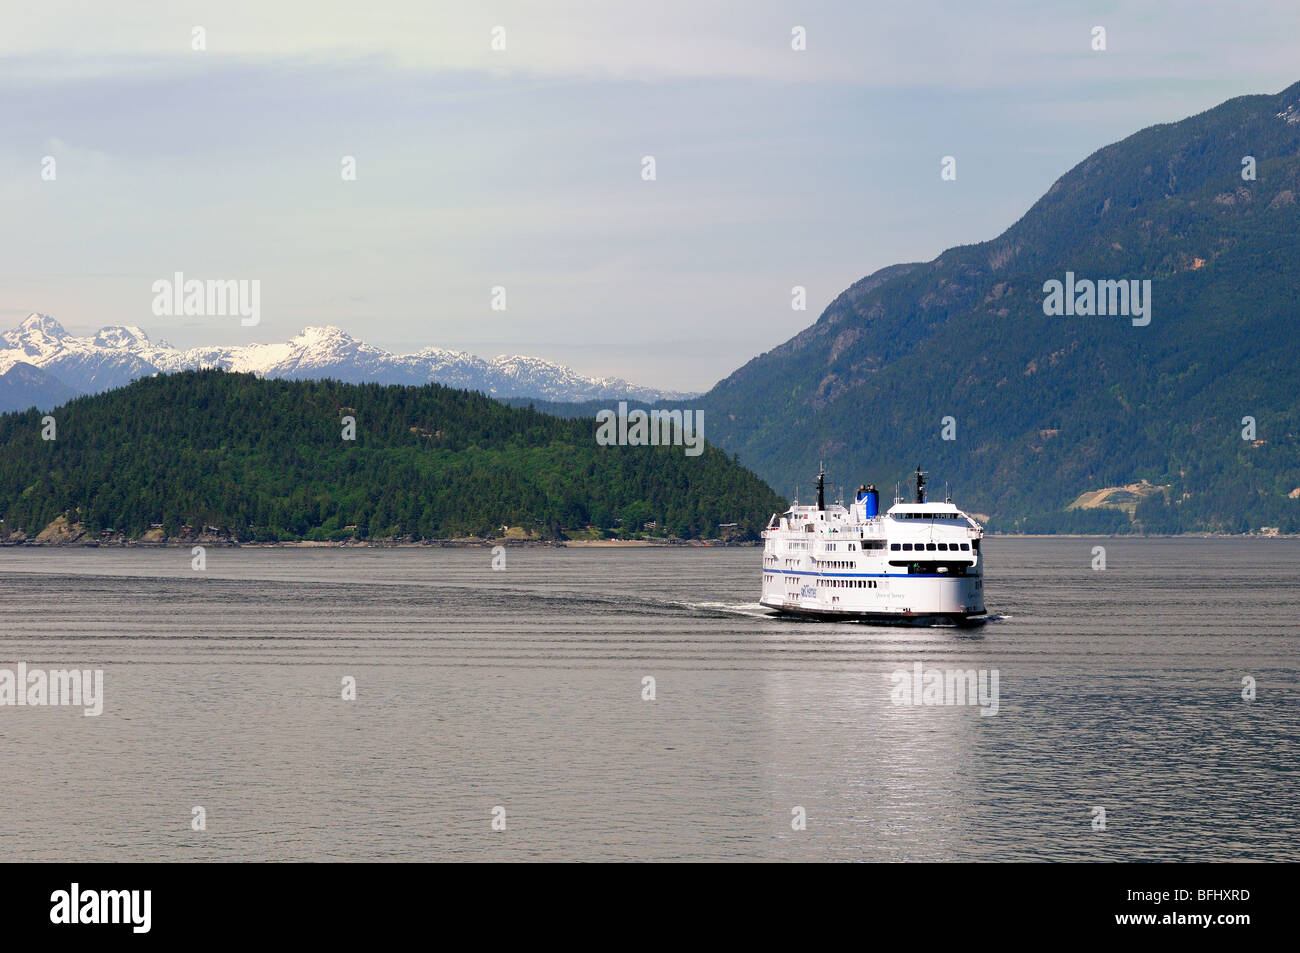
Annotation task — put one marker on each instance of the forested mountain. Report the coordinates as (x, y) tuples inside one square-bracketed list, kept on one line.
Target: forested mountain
[(266, 460), (23, 386), (1047, 407)]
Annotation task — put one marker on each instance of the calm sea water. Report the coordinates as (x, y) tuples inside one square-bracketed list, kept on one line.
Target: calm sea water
[(522, 689)]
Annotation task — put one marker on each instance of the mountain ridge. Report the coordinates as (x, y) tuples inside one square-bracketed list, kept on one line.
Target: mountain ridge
[(118, 354), (1045, 408)]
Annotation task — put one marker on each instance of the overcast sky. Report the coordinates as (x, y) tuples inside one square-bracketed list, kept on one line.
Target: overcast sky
[(522, 168)]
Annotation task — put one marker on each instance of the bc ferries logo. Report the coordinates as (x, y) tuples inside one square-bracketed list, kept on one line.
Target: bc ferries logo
[(1088, 297), (808, 592)]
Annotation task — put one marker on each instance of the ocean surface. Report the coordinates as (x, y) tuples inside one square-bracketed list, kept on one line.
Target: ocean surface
[(517, 695)]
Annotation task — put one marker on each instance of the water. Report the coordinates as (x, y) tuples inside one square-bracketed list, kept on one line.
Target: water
[(522, 689)]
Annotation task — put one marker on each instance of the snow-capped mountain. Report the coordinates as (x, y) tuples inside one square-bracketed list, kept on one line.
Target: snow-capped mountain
[(114, 356), (83, 364)]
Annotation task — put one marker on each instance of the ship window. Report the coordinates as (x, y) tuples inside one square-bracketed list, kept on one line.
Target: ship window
[(943, 547), (930, 547), (965, 547), (907, 547), (894, 546)]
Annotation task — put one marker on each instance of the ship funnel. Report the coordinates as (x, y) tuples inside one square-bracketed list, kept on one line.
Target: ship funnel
[(870, 502)]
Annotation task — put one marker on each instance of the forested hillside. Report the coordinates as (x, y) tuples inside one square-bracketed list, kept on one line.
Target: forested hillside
[(266, 460), (1044, 407)]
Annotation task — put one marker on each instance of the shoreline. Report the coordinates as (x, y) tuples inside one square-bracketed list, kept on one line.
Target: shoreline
[(476, 542), (455, 543)]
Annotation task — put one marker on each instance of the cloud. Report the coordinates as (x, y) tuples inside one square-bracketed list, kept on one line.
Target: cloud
[(927, 42)]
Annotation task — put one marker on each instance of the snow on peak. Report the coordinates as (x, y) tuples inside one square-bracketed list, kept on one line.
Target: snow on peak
[(121, 336), (326, 336), (118, 354), (36, 339), (41, 323)]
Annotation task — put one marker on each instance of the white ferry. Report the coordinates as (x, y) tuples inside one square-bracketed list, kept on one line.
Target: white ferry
[(918, 563)]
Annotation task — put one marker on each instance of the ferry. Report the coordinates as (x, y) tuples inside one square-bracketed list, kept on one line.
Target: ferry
[(919, 563)]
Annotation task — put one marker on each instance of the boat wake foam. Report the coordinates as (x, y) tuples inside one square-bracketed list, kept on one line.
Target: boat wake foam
[(752, 609)]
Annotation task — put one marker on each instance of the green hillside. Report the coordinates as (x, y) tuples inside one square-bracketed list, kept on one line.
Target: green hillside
[(265, 460), (1047, 408)]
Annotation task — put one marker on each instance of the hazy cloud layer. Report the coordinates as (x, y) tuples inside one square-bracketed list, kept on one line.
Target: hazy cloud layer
[(521, 168)]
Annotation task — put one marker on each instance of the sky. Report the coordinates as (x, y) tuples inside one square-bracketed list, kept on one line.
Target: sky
[(523, 168)]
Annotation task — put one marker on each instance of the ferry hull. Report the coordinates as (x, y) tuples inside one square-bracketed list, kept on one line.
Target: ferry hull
[(909, 599), (919, 619)]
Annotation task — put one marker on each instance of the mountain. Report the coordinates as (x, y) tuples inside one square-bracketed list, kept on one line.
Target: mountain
[(259, 459), (117, 355), (81, 363), (1045, 408), (24, 386)]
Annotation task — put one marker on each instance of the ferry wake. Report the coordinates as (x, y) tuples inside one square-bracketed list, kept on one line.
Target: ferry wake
[(919, 563)]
